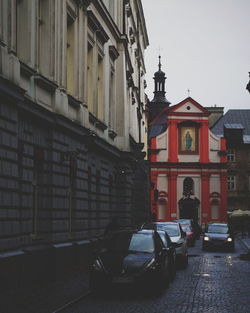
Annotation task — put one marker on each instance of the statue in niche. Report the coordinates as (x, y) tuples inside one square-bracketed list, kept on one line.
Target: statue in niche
[(188, 141)]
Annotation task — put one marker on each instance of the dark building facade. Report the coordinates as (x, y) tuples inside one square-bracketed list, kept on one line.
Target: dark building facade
[(235, 127), (71, 131)]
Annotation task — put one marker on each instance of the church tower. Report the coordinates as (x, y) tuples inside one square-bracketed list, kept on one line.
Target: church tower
[(159, 101)]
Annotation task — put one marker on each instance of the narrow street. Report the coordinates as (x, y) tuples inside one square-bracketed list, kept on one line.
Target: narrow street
[(214, 282)]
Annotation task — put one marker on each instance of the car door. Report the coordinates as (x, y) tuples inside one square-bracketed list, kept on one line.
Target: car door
[(163, 256)]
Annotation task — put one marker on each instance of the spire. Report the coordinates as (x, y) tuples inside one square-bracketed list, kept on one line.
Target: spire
[(159, 101), (159, 78), (159, 63)]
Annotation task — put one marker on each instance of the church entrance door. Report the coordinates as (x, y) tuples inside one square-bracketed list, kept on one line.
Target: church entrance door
[(188, 208)]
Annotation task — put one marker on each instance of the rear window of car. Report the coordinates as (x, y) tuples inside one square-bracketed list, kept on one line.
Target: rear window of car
[(141, 243), (172, 229)]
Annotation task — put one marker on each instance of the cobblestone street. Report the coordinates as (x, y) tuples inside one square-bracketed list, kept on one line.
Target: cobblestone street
[(214, 282)]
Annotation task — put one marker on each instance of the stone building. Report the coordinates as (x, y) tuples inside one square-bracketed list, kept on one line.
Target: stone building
[(188, 161), (235, 127), (72, 125)]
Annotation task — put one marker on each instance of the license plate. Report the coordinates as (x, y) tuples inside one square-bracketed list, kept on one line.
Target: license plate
[(217, 243), (124, 279)]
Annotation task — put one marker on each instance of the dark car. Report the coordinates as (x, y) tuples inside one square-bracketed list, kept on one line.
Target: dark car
[(168, 244), (218, 235), (177, 236), (131, 257)]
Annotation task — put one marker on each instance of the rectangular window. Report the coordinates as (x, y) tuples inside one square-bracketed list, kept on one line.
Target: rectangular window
[(100, 90), (70, 55), (231, 184), (44, 24), (111, 99), (90, 78), (231, 155), (23, 31)]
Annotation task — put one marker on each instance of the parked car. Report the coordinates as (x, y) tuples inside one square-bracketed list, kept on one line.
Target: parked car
[(177, 236), (190, 234), (218, 235), (168, 244), (193, 224), (129, 257)]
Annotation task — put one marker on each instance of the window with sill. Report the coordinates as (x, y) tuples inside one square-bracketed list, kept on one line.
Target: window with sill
[(95, 77), (90, 77), (231, 155), (44, 42), (24, 31), (231, 182), (99, 108), (70, 55)]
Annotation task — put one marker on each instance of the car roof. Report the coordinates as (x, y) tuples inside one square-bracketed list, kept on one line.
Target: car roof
[(162, 223), (218, 224), (146, 231), (183, 219)]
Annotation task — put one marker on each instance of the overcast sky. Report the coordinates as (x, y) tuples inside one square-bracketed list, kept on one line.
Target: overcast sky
[(205, 47)]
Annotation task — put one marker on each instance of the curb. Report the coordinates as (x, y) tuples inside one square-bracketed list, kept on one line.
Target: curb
[(66, 305)]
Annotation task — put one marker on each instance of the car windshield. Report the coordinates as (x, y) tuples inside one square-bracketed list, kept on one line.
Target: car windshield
[(141, 243), (171, 229), (219, 229), (184, 222)]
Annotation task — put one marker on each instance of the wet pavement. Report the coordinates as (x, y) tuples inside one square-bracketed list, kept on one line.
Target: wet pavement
[(214, 282)]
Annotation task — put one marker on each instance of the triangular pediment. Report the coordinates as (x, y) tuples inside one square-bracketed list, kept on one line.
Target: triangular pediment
[(188, 106)]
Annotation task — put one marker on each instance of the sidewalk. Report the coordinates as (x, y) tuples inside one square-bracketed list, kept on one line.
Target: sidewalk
[(47, 298), (246, 243)]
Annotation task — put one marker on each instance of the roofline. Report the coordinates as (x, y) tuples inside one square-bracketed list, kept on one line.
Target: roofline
[(203, 109)]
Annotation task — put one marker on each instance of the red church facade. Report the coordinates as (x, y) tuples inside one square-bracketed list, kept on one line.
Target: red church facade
[(188, 165)]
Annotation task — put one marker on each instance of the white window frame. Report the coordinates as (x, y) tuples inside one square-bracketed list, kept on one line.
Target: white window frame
[(231, 155), (231, 182)]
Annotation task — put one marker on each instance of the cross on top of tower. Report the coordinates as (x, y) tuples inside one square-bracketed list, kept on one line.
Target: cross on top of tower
[(159, 62)]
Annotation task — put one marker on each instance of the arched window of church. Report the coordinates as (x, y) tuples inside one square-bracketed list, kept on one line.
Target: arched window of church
[(188, 186)]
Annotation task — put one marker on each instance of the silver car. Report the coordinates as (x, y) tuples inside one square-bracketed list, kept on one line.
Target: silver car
[(177, 236)]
